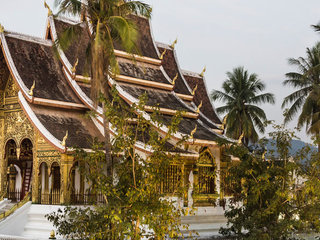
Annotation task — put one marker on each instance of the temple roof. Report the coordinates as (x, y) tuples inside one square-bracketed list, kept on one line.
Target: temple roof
[(56, 98)]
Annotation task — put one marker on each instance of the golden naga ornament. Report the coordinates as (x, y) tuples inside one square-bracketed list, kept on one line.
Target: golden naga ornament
[(224, 123), (194, 90), (175, 79), (240, 138), (199, 107), (193, 131), (63, 143), (32, 88), (49, 9), (74, 68), (163, 53), (174, 43), (1, 28), (203, 71)]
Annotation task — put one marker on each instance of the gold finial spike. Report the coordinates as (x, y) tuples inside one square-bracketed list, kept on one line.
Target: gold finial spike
[(1, 28), (224, 122), (203, 71), (240, 138), (174, 43), (49, 9), (74, 68), (63, 143), (32, 88), (162, 54), (175, 79), (193, 131), (194, 90), (198, 109)]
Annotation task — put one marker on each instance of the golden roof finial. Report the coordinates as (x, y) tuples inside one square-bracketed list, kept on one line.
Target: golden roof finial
[(1, 28), (49, 9), (194, 90), (198, 109), (32, 88), (193, 131), (240, 138), (174, 43), (74, 68), (203, 71), (162, 54), (175, 79), (224, 122), (63, 143)]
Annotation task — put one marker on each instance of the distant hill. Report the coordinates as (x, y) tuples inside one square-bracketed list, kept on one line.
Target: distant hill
[(296, 146)]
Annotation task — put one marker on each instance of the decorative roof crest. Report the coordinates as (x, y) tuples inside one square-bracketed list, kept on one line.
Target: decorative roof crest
[(194, 90), (32, 88), (63, 143), (74, 68), (49, 9), (162, 54), (174, 43), (175, 79), (1, 28), (224, 122), (198, 109), (240, 138), (193, 131), (203, 71)]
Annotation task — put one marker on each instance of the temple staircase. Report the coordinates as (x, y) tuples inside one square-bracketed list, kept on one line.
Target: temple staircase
[(206, 222)]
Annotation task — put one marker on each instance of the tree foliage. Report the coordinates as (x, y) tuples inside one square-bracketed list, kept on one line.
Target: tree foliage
[(306, 98), (134, 206), (242, 93), (277, 196)]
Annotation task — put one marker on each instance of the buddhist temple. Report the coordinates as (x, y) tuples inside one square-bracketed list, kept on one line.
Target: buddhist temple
[(44, 97)]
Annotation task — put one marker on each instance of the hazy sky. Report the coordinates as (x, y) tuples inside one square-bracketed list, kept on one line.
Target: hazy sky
[(220, 34)]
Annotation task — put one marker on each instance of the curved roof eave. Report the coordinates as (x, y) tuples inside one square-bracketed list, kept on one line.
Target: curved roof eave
[(12, 68), (56, 143)]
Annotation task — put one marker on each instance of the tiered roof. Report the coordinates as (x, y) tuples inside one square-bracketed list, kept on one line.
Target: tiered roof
[(55, 96)]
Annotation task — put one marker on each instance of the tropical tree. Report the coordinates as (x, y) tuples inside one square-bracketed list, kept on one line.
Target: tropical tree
[(306, 98), (111, 24), (242, 92)]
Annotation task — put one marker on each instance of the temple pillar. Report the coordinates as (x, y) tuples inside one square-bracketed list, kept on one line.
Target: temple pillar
[(66, 166)]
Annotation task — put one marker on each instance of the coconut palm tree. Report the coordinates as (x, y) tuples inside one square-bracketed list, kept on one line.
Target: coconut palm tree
[(242, 92), (306, 98), (110, 23)]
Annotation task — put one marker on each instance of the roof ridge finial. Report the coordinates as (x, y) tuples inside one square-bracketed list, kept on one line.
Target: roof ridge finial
[(49, 9), (1, 28), (63, 143), (203, 71), (32, 88), (74, 68), (162, 54), (175, 79), (194, 90), (193, 131), (240, 138), (224, 123), (198, 108), (174, 43)]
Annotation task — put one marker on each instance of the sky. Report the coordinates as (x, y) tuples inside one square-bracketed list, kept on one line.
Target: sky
[(259, 35)]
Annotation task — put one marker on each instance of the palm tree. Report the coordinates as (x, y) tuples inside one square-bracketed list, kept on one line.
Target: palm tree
[(111, 24), (307, 82), (242, 93)]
